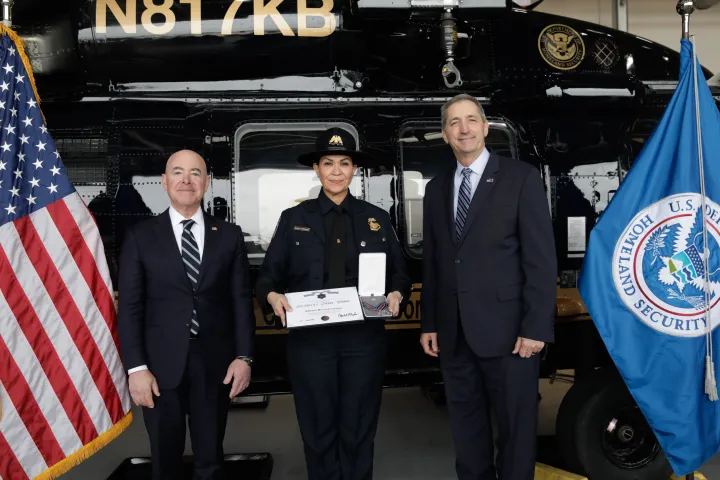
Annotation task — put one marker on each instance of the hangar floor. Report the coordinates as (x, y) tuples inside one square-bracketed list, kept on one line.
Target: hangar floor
[(413, 441)]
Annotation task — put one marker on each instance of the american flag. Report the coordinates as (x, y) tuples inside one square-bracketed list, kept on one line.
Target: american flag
[(63, 391)]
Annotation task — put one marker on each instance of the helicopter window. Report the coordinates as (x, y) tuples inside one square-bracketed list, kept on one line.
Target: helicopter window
[(268, 179), (423, 155)]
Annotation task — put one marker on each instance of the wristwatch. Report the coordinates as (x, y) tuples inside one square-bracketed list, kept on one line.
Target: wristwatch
[(247, 360)]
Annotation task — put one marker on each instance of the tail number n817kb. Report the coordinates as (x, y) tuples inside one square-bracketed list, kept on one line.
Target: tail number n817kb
[(164, 17)]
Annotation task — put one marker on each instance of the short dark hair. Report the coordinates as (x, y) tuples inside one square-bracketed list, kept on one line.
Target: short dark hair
[(460, 98)]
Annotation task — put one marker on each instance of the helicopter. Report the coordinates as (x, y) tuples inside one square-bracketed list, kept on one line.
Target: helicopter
[(248, 84)]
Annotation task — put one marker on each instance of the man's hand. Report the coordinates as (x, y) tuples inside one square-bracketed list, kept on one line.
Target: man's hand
[(527, 348), (279, 304), (142, 386), (429, 343), (393, 299), (239, 373)]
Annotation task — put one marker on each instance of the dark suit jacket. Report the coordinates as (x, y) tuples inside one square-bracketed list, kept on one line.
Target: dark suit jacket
[(156, 300), (295, 259), (502, 275)]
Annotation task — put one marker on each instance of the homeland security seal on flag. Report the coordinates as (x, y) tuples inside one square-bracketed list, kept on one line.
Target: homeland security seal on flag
[(658, 267)]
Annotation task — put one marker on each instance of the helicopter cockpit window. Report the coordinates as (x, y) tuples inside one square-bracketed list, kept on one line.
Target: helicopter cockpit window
[(268, 179), (424, 154)]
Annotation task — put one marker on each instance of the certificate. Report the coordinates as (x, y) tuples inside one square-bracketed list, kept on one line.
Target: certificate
[(323, 307)]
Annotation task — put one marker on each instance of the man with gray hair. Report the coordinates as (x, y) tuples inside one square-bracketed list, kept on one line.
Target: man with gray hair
[(489, 282)]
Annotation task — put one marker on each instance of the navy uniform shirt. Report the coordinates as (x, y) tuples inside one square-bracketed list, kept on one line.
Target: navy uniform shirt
[(341, 265)]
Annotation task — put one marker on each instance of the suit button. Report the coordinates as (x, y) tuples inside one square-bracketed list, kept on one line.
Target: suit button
[(187, 325), (457, 261)]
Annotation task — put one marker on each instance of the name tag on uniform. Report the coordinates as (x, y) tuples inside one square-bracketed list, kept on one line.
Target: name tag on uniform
[(371, 285), (301, 229)]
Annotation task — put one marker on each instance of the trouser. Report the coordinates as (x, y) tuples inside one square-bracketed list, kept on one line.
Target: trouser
[(337, 378), (476, 388), (206, 406)]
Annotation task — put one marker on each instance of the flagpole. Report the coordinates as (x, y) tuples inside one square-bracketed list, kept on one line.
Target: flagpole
[(7, 12)]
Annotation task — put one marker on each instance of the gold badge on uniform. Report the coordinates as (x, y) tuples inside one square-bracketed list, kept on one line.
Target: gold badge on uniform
[(374, 226), (561, 46)]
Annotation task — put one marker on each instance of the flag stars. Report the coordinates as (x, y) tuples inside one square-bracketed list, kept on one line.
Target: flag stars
[(43, 129), (2, 165), (12, 51), (14, 112), (31, 103), (6, 147), (2, 105), (4, 86), (18, 173), (10, 129), (21, 156), (17, 95), (55, 170), (8, 68), (31, 200), (57, 155), (10, 209), (34, 182), (20, 78), (28, 122), (38, 164), (41, 146), (24, 139), (52, 188), (15, 192)]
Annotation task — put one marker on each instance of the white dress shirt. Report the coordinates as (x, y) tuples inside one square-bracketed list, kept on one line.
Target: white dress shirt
[(477, 167), (198, 231)]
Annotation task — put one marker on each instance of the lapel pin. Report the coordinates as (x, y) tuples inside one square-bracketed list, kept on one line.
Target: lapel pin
[(214, 228), (490, 180)]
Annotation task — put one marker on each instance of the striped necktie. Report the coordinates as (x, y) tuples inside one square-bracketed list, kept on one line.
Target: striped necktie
[(463, 204), (191, 259)]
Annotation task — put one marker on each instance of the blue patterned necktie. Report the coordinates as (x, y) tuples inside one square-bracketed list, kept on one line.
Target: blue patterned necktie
[(191, 259), (463, 204)]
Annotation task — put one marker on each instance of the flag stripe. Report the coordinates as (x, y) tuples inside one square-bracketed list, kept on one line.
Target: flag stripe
[(71, 277), (65, 223), (69, 314), (36, 353), (89, 231), (26, 400), (80, 234), (10, 467), (25, 452)]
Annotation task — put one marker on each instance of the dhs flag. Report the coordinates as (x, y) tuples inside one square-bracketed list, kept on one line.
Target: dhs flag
[(651, 277), (63, 391)]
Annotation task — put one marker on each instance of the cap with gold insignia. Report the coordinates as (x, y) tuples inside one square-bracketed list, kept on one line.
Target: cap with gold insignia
[(336, 141)]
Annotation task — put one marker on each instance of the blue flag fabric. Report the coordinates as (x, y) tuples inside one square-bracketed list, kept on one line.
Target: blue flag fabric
[(644, 276)]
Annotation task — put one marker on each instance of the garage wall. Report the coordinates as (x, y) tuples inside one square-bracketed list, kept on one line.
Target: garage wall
[(655, 20)]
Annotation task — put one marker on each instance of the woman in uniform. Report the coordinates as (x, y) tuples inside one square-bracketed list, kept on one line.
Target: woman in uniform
[(336, 371)]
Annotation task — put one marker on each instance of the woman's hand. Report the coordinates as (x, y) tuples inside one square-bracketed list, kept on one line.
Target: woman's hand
[(394, 299), (279, 304)]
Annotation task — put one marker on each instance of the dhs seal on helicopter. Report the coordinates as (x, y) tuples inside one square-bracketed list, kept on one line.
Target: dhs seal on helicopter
[(658, 267)]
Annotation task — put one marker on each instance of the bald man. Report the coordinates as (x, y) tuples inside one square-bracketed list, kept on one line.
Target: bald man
[(186, 322)]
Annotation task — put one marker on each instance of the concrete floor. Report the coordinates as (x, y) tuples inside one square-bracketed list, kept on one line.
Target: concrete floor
[(413, 440)]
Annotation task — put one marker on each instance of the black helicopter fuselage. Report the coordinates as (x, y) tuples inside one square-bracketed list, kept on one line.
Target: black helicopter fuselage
[(247, 83)]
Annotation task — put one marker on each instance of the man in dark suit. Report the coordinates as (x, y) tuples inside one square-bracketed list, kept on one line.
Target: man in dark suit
[(186, 322), (489, 282)]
